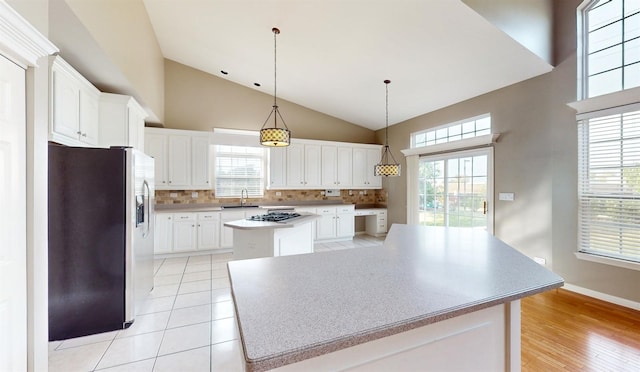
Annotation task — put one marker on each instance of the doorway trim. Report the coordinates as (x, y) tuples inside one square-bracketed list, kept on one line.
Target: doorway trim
[(413, 161)]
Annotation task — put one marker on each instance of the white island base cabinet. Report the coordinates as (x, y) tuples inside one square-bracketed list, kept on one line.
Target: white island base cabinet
[(273, 242), (485, 340)]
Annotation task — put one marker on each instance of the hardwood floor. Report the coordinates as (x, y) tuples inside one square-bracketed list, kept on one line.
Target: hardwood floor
[(566, 331)]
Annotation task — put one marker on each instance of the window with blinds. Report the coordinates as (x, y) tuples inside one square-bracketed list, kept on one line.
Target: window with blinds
[(237, 168), (609, 185)]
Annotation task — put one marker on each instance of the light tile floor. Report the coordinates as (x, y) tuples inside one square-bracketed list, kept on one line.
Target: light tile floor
[(186, 324)]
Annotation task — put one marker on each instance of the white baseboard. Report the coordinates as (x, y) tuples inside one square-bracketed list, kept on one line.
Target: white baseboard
[(603, 296)]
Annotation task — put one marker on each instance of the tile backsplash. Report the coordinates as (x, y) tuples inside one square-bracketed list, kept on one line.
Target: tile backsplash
[(208, 197)]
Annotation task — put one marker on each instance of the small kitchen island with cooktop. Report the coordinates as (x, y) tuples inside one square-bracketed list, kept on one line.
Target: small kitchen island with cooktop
[(277, 233), (431, 298)]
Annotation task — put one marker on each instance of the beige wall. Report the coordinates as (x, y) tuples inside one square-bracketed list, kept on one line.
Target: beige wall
[(200, 101), (123, 30), (536, 158)]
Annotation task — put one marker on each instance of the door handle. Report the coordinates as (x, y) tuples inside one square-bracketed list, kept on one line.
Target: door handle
[(147, 194), (484, 207)]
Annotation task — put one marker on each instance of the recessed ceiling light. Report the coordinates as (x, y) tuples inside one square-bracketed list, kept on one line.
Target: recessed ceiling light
[(223, 72), (256, 84)]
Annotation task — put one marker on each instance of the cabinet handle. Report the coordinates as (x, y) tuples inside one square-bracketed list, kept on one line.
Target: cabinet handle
[(193, 225), (169, 218), (169, 181), (84, 134)]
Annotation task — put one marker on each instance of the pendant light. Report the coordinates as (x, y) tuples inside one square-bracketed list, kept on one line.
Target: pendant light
[(385, 167), (274, 136)]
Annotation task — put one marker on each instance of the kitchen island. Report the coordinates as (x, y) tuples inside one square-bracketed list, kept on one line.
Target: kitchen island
[(255, 239), (430, 298)]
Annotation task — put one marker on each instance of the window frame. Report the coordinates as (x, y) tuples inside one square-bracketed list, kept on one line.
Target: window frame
[(448, 126), (263, 177), (585, 198), (583, 52)]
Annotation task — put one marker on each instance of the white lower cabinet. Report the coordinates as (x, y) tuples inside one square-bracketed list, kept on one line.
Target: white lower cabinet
[(208, 230), (187, 232), (163, 235), (334, 222), (184, 232), (376, 225)]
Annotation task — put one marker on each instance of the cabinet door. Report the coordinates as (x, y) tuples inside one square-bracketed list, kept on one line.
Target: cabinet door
[(184, 232), (326, 224), (89, 117), (200, 162), (373, 158), (277, 167), (344, 168), (295, 165), (208, 231), (345, 225), (179, 163), (312, 164), (359, 162), (163, 235), (156, 146), (65, 105), (329, 162)]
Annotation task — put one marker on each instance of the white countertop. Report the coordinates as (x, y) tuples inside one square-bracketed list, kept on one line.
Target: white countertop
[(258, 225), (296, 307)]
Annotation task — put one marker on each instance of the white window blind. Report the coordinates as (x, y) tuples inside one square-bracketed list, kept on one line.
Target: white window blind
[(237, 168), (609, 185)]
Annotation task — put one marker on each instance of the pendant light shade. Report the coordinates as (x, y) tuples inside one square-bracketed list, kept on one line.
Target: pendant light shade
[(275, 136), (387, 167)]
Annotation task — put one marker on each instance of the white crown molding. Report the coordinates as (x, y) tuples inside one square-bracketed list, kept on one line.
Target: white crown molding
[(19, 40)]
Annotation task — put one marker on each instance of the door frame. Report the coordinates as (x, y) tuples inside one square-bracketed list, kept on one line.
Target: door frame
[(413, 161)]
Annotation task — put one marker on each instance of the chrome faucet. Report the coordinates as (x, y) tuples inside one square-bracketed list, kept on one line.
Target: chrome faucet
[(242, 196)]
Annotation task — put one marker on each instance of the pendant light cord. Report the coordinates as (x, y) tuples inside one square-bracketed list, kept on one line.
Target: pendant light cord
[(386, 101), (275, 66)]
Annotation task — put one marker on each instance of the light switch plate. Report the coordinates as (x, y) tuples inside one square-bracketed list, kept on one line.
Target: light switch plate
[(506, 196), (332, 192)]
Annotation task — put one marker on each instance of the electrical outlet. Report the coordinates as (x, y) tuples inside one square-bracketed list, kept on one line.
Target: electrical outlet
[(350, 192), (173, 194), (361, 192), (365, 192), (278, 193), (540, 260), (194, 194)]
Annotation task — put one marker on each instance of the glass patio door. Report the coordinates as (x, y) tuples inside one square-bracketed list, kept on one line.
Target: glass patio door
[(455, 189)]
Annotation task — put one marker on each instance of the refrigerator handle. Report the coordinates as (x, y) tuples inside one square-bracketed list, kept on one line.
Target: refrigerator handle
[(147, 195)]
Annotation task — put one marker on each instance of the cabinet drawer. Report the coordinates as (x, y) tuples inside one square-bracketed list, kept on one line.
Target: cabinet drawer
[(348, 209), (324, 211), (184, 216), (382, 213), (208, 216)]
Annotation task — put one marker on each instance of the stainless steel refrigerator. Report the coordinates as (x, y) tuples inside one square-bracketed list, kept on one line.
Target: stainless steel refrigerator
[(100, 238)]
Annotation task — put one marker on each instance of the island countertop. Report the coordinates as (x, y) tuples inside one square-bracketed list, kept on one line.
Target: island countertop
[(259, 225), (298, 307)]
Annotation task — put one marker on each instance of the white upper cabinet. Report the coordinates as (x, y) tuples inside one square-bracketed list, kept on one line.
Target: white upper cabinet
[(179, 161), (181, 158), (336, 166), (311, 164), (156, 146), (200, 162), (364, 161), (295, 165), (277, 167), (73, 105), (121, 121)]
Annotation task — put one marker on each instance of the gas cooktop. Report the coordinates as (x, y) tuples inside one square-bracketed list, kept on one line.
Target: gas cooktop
[(274, 217)]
